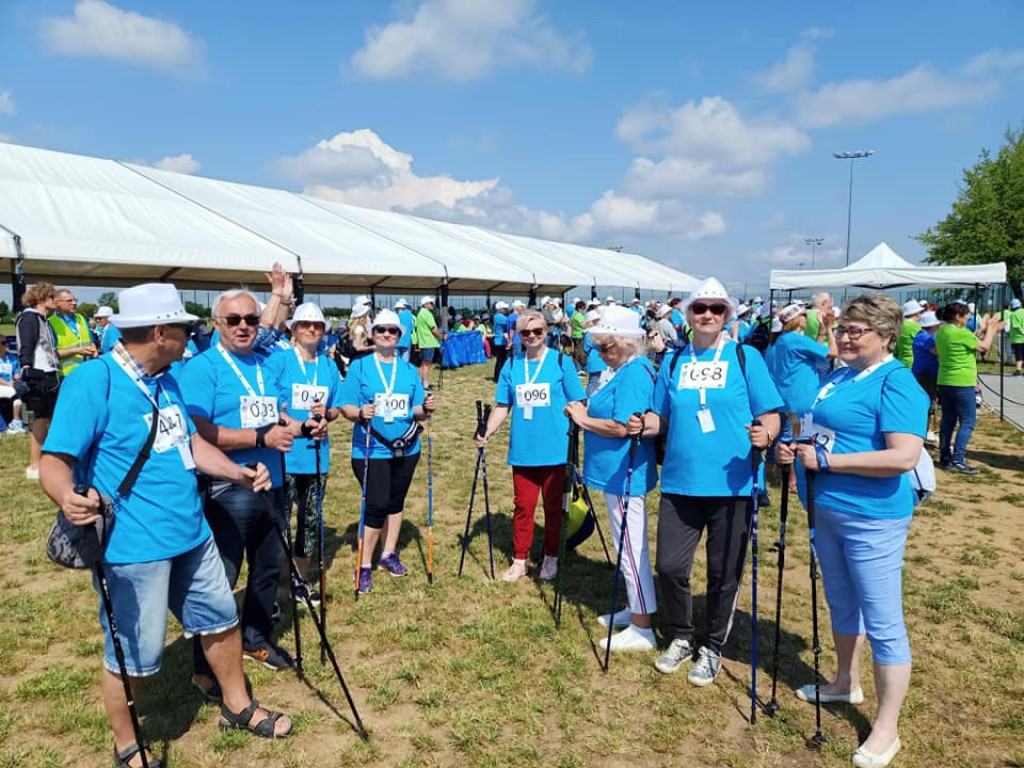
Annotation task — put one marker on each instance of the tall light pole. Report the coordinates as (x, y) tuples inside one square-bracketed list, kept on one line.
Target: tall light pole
[(814, 242), (851, 156)]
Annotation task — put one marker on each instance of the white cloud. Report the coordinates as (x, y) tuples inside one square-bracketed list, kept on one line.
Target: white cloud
[(792, 74), (184, 163), (922, 89), (817, 33), (705, 148), (6, 103), (793, 253), (100, 30), (467, 40)]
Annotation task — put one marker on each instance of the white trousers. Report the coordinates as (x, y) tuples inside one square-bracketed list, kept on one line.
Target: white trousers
[(636, 555)]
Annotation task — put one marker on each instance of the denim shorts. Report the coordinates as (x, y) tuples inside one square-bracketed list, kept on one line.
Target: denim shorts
[(192, 585), (427, 354)]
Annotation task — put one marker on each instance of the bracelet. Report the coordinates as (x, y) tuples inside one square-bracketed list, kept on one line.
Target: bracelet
[(261, 435), (822, 455)]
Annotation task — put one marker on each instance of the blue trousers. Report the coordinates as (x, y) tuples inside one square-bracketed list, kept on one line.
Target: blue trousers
[(958, 404), (861, 562)]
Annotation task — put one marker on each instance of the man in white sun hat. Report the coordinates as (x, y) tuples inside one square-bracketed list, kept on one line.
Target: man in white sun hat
[(161, 554), (427, 337), (501, 337), (514, 341), (904, 351), (102, 318)]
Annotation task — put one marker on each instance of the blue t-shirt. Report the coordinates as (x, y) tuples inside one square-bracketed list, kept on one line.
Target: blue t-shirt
[(405, 319), (860, 413), (214, 392), (742, 329), (924, 361), (9, 366), (500, 327), (512, 318), (161, 517), (716, 463), (606, 459), (595, 364), (287, 371), (110, 337), (678, 318), (543, 440), (361, 386), (793, 362)]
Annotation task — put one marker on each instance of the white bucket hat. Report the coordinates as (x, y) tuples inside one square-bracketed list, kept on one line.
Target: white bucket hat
[(610, 300), (664, 310), (518, 303), (426, 300), (150, 304), (708, 289), (307, 313), (741, 310), (103, 311), (790, 311), (929, 320), (593, 315), (618, 321), (401, 304), (360, 310), (386, 317), (911, 307), (361, 300)]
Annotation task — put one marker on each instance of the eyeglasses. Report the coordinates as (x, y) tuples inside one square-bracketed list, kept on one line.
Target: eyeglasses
[(714, 309), (528, 332), (853, 333), (391, 330), (251, 320)]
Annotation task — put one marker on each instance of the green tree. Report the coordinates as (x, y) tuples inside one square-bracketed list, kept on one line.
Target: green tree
[(108, 299), (4, 311), (987, 220), (87, 310), (197, 309)]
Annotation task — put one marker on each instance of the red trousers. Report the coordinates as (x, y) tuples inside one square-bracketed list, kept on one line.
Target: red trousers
[(527, 482)]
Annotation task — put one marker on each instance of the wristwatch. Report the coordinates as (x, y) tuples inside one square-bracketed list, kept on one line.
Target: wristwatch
[(261, 435)]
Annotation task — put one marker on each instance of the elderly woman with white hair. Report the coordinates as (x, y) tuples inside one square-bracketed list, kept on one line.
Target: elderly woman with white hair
[(359, 331), (716, 404), (625, 387)]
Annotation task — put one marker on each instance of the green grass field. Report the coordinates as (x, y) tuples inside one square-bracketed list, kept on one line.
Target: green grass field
[(469, 672)]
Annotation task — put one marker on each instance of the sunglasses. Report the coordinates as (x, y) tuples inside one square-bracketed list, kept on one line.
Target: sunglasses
[(528, 332), (188, 328), (608, 345), (391, 330), (714, 309), (853, 333), (251, 320)]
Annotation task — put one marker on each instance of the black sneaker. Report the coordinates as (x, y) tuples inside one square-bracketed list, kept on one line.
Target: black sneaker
[(963, 468), (305, 591), (271, 657), (945, 465)]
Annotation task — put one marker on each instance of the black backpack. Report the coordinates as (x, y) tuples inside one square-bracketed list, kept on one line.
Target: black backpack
[(760, 335)]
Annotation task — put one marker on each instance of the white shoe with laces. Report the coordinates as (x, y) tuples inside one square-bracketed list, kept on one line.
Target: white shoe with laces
[(706, 669), (678, 651), (632, 638)]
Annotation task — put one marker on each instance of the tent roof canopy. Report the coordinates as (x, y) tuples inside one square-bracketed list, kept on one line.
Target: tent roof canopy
[(103, 222), (882, 267)]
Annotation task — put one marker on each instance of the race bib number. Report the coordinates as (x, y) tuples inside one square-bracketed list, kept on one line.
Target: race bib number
[(824, 436), (171, 430), (703, 375), (391, 407), (533, 395), (258, 411), (305, 396)]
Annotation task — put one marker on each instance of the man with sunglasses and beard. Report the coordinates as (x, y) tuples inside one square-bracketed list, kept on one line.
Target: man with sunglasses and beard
[(233, 398)]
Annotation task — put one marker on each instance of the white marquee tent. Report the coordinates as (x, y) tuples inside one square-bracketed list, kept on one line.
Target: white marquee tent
[(89, 221), (882, 267)]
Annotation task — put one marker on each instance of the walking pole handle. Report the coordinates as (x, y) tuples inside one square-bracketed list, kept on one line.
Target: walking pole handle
[(634, 440), (480, 419)]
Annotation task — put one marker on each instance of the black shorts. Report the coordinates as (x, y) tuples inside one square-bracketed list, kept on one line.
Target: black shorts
[(43, 389), (388, 482), (1018, 352), (928, 383)]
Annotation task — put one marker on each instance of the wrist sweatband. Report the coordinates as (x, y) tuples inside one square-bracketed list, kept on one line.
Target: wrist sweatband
[(822, 454)]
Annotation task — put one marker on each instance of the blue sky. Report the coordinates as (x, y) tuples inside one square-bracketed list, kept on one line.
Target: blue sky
[(698, 134)]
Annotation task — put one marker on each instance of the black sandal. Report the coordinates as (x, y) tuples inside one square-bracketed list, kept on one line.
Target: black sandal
[(229, 721), (123, 759)]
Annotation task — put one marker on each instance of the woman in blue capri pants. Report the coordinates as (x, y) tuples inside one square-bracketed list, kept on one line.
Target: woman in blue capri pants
[(869, 420)]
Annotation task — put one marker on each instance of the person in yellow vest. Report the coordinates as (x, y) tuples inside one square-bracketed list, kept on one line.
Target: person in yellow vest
[(74, 337)]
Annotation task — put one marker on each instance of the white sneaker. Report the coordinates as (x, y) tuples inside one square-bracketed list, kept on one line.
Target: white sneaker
[(515, 571), (707, 667), (31, 474), (632, 638), (622, 619), (549, 568), (16, 427), (932, 437), (677, 652)]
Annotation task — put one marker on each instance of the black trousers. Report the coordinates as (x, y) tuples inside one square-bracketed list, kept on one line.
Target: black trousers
[(681, 522), (500, 356)]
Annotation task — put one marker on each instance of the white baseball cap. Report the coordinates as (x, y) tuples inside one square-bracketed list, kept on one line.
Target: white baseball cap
[(150, 304), (618, 321), (518, 303), (501, 305), (307, 313)]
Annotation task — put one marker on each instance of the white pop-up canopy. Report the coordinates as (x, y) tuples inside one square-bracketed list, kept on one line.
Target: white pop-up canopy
[(89, 221), (882, 267)]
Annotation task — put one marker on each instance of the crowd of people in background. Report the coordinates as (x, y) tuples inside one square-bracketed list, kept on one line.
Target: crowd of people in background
[(236, 417)]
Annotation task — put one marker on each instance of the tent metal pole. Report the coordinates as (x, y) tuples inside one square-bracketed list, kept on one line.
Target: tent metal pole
[(1002, 369), (17, 271)]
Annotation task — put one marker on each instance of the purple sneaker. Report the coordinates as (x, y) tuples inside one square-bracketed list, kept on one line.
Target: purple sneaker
[(365, 582), (392, 565)]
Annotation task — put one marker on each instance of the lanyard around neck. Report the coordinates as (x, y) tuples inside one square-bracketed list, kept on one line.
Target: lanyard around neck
[(389, 387), (122, 363), (245, 382), (540, 364), (718, 356), (302, 367), (830, 389)]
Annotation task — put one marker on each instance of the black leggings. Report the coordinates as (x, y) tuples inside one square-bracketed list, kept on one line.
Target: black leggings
[(387, 484), (500, 356), (681, 521)]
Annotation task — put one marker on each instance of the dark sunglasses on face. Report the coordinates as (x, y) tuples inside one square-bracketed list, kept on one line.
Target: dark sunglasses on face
[(188, 328), (608, 345), (528, 332), (714, 309), (251, 320), (391, 330)]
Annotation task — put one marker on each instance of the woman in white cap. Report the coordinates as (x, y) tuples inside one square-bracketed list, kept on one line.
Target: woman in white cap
[(383, 394), (625, 387), (595, 364), (310, 384), (404, 346), (706, 400), (359, 332), (534, 387), (904, 351)]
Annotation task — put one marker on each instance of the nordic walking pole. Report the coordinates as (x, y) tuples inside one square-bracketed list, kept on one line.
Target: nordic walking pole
[(819, 738), (780, 546), (577, 479), (634, 442), (487, 493), (430, 500), (574, 436), (320, 543), (122, 667), (755, 462), (296, 579), (362, 510), (472, 492), (296, 621)]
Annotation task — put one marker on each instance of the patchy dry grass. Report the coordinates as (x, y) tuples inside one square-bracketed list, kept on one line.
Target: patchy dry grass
[(473, 673)]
